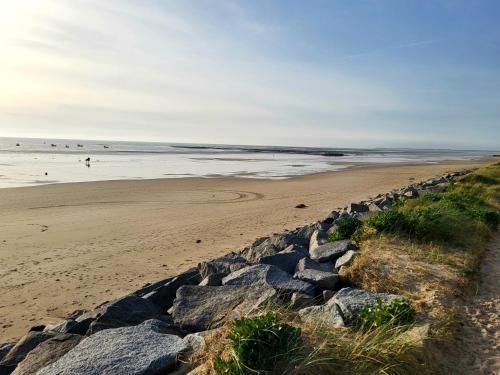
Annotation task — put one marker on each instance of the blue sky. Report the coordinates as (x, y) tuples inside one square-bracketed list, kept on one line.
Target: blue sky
[(312, 73)]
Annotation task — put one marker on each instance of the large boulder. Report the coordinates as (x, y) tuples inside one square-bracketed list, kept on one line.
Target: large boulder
[(46, 353), (273, 245), (322, 279), (286, 260), (19, 351), (351, 301), (198, 308), (330, 251), (141, 349), (309, 264), (5, 348), (267, 275), (327, 315), (164, 295), (357, 208), (128, 310)]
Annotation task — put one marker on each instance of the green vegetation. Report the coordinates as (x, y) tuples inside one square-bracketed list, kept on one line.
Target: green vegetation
[(460, 215), (346, 228), (398, 312), (260, 345)]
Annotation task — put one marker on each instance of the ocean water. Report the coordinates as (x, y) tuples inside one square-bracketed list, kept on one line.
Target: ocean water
[(29, 162)]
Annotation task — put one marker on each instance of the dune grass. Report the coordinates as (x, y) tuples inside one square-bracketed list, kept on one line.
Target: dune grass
[(425, 249)]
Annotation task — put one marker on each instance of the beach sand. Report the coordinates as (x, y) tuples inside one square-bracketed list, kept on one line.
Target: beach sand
[(71, 246)]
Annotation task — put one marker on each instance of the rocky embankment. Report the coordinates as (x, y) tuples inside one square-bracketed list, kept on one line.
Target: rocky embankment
[(147, 331)]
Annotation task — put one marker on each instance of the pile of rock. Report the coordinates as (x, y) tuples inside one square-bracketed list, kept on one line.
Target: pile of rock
[(146, 331)]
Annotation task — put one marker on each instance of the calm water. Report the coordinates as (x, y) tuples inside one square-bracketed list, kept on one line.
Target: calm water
[(24, 162)]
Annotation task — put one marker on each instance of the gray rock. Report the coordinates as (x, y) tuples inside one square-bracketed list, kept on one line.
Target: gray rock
[(330, 219), (328, 315), (351, 301), (268, 276), (5, 348), (273, 245), (410, 193), (373, 208), (214, 279), (346, 259), (69, 326), (318, 238), (164, 295), (19, 351), (286, 260), (128, 310), (358, 208), (198, 308), (221, 265), (300, 300), (141, 349), (309, 264), (327, 295), (322, 279), (46, 353), (330, 251)]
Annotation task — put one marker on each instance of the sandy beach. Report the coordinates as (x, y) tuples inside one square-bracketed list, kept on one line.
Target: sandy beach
[(71, 246)]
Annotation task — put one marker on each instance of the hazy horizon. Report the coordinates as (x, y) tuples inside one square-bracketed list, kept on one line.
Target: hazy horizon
[(419, 75)]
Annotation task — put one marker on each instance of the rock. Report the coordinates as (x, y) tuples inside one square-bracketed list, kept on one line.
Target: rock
[(5, 348), (330, 219), (221, 265), (357, 208), (373, 208), (300, 300), (286, 260), (351, 301), (214, 279), (318, 238), (328, 315), (301, 205), (128, 310), (304, 233), (324, 280), (141, 349), (410, 193), (330, 251), (46, 353), (37, 328), (268, 276), (69, 326), (327, 295), (309, 264), (346, 259), (164, 295), (19, 351), (197, 308)]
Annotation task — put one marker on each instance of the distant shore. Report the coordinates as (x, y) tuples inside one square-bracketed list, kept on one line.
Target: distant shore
[(70, 246)]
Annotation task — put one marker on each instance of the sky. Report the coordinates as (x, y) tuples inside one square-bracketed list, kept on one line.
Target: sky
[(352, 73)]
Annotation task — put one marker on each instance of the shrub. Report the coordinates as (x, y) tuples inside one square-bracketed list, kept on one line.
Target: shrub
[(346, 227), (259, 345), (398, 312)]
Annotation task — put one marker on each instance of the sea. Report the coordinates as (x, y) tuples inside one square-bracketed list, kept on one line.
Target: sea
[(31, 162)]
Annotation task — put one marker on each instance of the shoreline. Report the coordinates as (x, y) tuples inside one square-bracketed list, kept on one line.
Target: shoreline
[(74, 245)]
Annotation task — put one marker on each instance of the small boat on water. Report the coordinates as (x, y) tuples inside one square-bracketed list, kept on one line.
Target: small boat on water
[(106, 146), (67, 146), (79, 145), (53, 145), (17, 144)]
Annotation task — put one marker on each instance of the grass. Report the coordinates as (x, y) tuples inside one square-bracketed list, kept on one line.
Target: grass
[(427, 250), (395, 313), (346, 228), (260, 345)]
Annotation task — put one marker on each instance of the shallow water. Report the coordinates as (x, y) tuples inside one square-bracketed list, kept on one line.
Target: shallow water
[(28, 162)]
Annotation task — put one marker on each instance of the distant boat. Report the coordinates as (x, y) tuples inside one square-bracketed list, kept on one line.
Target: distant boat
[(17, 144), (53, 145), (67, 146), (106, 146), (79, 145)]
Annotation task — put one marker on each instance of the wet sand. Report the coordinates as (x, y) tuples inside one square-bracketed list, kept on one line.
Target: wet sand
[(71, 246)]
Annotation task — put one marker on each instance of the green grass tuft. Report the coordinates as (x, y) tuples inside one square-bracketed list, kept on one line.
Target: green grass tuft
[(260, 345), (398, 313), (346, 228)]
